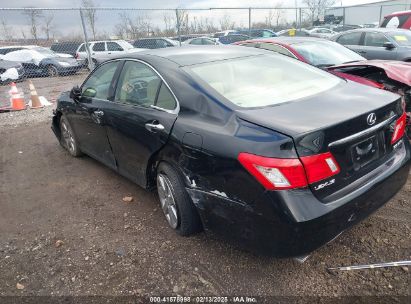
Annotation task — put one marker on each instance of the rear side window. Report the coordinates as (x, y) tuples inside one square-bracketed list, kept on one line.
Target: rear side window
[(197, 41), (114, 46), (375, 39), (82, 48), (100, 80), (350, 39), (165, 99), (99, 47)]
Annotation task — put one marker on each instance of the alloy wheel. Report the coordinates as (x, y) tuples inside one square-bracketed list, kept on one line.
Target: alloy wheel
[(68, 137), (52, 71), (167, 201)]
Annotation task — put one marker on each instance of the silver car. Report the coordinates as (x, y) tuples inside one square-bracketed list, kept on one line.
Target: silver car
[(378, 43)]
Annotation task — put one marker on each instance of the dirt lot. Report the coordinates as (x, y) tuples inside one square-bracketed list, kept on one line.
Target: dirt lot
[(110, 247)]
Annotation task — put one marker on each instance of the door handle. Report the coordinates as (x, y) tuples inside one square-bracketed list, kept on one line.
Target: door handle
[(99, 113), (153, 127), (97, 116)]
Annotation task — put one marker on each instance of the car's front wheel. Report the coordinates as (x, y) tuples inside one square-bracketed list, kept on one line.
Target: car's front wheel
[(176, 204), (68, 139)]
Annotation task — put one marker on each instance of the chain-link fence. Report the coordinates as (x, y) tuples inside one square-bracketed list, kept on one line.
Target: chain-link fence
[(56, 48)]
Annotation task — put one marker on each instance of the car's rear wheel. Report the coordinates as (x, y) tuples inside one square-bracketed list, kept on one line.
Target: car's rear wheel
[(52, 71), (67, 138), (176, 204)]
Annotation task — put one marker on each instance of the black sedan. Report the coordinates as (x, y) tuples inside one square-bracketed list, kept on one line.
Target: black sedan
[(270, 152)]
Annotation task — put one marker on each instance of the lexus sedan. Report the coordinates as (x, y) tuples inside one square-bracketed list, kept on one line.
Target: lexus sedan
[(394, 76), (267, 151)]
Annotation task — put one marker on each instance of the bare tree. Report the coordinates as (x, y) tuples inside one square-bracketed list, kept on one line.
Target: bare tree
[(226, 23), (6, 30), (168, 23), (90, 14), (181, 20), (48, 20), (33, 16), (317, 8)]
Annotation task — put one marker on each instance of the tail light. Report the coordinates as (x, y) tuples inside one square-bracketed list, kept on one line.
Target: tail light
[(77, 56), (399, 128), (286, 173)]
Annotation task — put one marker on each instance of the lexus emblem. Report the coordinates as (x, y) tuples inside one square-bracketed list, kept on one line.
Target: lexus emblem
[(371, 119)]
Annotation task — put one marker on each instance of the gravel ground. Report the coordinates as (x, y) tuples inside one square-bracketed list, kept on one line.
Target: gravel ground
[(65, 230)]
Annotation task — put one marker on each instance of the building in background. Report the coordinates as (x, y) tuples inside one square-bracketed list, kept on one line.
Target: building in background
[(369, 13)]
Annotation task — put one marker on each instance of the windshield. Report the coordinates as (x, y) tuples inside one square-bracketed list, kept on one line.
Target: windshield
[(403, 38), (44, 51), (263, 80), (326, 54)]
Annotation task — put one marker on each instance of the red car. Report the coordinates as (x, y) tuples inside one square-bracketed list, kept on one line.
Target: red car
[(394, 76), (398, 20)]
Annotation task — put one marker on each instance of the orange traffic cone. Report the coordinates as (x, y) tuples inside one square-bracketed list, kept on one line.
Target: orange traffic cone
[(35, 100), (16, 99)]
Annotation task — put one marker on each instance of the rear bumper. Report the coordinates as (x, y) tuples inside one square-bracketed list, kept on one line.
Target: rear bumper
[(294, 223)]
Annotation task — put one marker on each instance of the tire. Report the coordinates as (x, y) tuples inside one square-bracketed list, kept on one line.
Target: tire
[(187, 221), (52, 71), (68, 139)]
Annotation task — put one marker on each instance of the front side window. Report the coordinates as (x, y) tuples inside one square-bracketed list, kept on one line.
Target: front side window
[(99, 47), (206, 41), (98, 84), (375, 39), (350, 39), (138, 85), (263, 80), (402, 38), (114, 46)]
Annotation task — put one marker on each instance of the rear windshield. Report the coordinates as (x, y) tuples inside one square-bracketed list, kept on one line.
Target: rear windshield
[(402, 38), (395, 21), (263, 80), (326, 53)]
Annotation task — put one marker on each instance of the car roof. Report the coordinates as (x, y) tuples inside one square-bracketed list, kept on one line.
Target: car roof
[(398, 13), (187, 55), (19, 46), (377, 29), (290, 40)]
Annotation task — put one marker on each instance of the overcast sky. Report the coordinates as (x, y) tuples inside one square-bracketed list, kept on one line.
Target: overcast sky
[(68, 24), (165, 4)]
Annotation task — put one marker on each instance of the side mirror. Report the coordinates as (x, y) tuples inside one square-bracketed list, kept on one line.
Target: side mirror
[(89, 93), (75, 93), (389, 45)]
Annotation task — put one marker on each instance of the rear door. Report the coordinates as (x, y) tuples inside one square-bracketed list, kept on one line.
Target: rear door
[(374, 47), (99, 50), (140, 119), (88, 120)]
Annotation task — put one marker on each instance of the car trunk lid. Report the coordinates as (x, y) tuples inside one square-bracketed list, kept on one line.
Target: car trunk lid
[(355, 128)]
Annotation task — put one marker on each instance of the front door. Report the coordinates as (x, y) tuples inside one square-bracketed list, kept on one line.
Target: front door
[(88, 121), (374, 47), (140, 119)]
